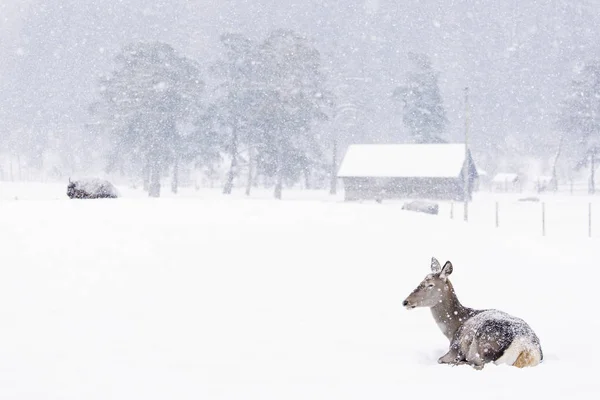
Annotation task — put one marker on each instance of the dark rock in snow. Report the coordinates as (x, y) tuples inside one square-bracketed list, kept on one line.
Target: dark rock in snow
[(91, 189), (421, 206)]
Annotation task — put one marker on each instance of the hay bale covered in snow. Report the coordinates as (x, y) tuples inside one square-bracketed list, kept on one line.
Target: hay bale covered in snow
[(91, 189), (421, 206)]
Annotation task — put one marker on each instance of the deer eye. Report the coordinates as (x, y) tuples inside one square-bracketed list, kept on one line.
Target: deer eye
[(429, 286)]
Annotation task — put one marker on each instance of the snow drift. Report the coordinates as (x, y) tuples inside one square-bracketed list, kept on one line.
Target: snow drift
[(242, 299)]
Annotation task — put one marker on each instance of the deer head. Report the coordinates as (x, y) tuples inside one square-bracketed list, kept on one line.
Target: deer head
[(433, 289)]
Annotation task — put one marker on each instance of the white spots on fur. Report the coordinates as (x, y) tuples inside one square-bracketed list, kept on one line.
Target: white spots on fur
[(455, 312)]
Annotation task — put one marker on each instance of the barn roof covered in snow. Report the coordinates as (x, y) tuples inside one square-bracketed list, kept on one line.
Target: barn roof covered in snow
[(439, 160)]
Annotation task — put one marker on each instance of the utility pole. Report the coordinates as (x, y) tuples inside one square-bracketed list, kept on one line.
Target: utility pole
[(592, 184), (333, 186), (467, 162)]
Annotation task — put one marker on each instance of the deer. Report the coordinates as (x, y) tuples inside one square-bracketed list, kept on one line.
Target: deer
[(477, 337)]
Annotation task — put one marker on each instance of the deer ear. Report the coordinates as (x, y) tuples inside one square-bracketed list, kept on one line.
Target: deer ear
[(435, 265), (446, 270)]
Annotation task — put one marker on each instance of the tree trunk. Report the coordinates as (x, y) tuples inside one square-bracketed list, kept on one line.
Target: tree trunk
[(307, 178), (176, 152), (175, 179), (154, 184), (154, 187), (250, 171), (333, 186), (279, 173), (558, 151), (146, 176), (592, 185), (278, 187), (231, 175), (256, 169)]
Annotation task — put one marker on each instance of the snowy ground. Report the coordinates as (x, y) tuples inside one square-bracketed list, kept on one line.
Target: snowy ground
[(205, 297)]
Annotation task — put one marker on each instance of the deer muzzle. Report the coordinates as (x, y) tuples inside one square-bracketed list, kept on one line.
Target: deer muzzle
[(408, 305)]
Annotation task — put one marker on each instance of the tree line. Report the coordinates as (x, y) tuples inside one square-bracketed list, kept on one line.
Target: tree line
[(262, 112), (265, 111)]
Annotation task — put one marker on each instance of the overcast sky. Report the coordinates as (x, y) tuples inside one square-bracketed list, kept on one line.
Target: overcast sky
[(516, 56)]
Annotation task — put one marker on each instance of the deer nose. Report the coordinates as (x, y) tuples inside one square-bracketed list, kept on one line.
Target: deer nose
[(405, 303)]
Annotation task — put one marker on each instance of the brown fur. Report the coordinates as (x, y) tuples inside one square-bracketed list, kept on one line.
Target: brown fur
[(525, 359)]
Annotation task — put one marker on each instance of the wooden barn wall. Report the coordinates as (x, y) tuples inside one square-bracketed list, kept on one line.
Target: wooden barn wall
[(409, 188)]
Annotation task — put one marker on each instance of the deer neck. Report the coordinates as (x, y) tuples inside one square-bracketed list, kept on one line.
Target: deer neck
[(449, 314)]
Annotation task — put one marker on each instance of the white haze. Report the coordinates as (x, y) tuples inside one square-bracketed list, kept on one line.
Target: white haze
[(517, 57)]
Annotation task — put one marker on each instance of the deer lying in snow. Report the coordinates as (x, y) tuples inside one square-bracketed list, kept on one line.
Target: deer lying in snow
[(476, 337)]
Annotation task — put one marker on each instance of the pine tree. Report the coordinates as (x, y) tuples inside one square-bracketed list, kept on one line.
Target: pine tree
[(423, 109), (236, 106), (150, 92), (293, 101), (579, 118), (580, 111)]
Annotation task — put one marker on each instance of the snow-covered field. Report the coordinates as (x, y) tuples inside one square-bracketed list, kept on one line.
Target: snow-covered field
[(207, 297)]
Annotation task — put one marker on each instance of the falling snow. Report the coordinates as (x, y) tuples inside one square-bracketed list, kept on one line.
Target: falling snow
[(227, 263)]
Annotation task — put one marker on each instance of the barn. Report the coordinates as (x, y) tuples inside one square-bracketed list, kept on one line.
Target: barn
[(406, 171), (506, 182)]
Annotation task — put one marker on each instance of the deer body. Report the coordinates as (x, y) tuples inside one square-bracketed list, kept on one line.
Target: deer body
[(476, 337)]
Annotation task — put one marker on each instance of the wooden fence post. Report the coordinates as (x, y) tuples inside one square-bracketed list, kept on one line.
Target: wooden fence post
[(571, 186), (497, 222), (589, 219), (543, 219)]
